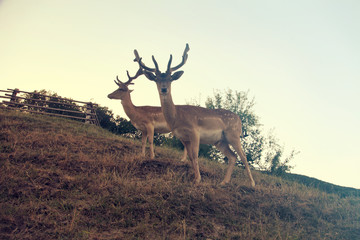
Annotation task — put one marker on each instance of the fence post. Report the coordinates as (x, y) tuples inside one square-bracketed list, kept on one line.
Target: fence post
[(13, 98), (88, 111)]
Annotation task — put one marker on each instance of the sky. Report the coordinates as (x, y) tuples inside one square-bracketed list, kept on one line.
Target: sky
[(299, 60)]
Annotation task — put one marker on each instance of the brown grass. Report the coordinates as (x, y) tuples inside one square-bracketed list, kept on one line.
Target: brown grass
[(66, 180)]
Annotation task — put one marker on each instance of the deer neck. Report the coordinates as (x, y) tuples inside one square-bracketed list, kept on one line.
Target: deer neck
[(168, 108), (128, 106)]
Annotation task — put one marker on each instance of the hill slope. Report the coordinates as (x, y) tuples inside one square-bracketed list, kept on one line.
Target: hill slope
[(66, 180)]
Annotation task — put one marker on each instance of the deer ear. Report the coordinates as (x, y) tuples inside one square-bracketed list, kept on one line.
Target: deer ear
[(150, 76), (177, 75)]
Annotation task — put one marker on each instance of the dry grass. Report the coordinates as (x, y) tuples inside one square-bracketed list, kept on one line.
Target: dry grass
[(66, 180)]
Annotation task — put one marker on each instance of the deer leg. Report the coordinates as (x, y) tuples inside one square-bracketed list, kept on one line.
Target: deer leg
[(143, 142), (184, 157), (225, 149), (192, 148), (235, 142), (150, 131)]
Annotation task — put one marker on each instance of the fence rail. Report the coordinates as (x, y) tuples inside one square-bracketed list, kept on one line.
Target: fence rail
[(38, 103)]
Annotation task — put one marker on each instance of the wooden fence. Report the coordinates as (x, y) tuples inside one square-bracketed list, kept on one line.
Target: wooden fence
[(34, 102)]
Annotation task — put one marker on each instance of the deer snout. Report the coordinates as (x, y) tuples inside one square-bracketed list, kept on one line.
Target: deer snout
[(113, 96)]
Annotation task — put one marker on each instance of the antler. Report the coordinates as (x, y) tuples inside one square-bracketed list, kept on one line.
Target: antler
[(138, 73), (184, 59), (118, 82), (156, 69), (142, 65), (130, 79)]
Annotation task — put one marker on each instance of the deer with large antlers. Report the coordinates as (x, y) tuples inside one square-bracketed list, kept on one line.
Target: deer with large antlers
[(194, 125), (147, 119)]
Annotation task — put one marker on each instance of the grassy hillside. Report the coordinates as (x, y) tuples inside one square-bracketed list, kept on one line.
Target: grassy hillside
[(323, 186), (61, 179)]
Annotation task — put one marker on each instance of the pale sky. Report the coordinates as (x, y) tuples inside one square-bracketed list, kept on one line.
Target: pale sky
[(299, 59)]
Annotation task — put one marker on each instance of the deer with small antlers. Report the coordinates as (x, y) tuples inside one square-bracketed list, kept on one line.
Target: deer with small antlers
[(194, 125), (147, 119)]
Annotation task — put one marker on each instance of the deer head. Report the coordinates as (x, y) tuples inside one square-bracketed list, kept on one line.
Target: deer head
[(123, 87), (163, 80)]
